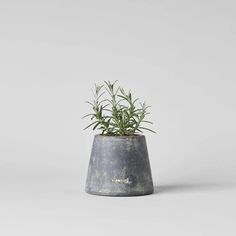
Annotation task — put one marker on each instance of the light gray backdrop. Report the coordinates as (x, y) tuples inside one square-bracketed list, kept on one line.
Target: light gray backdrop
[(179, 56)]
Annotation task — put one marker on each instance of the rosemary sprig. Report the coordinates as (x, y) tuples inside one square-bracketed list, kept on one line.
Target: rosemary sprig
[(117, 114)]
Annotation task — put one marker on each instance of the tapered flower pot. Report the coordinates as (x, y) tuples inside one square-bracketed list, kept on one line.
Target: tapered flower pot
[(119, 166)]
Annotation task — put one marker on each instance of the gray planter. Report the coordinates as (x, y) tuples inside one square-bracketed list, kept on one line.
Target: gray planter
[(119, 166)]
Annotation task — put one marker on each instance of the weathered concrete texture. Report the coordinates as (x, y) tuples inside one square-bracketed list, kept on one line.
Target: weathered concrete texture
[(119, 166)]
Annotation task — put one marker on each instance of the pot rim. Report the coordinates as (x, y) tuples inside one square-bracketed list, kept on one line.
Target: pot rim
[(120, 137)]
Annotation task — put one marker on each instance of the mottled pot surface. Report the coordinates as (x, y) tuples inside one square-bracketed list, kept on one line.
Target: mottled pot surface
[(119, 166)]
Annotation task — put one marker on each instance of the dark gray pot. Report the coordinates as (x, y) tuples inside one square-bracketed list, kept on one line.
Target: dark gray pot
[(119, 166)]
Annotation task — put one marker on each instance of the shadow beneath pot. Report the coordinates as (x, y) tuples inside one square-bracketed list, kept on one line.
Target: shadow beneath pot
[(192, 187)]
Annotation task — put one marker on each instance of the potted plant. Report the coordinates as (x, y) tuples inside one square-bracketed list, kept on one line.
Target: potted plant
[(119, 163)]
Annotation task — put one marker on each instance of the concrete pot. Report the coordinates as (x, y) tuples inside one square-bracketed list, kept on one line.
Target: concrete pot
[(119, 166)]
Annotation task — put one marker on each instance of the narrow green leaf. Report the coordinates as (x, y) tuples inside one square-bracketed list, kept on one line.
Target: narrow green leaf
[(121, 96), (147, 129), (90, 125), (87, 115), (146, 121), (96, 126), (89, 103)]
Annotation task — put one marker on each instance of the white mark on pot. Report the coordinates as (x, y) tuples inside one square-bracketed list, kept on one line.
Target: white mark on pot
[(122, 181)]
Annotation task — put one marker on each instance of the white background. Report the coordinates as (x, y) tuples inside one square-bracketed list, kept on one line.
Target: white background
[(179, 56)]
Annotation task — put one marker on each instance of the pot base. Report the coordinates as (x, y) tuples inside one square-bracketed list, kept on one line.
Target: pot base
[(119, 194)]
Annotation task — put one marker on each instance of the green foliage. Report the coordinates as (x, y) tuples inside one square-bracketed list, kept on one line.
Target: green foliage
[(118, 115)]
